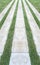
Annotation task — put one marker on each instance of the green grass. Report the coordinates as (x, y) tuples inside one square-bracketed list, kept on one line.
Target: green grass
[(3, 20), (36, 3), (35, 17), (5, 58), (3, 4), (31, 45)]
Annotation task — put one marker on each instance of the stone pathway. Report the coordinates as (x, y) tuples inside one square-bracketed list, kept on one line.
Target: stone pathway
[(19, 53)]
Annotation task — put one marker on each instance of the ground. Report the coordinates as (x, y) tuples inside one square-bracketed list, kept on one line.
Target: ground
[(19, 33)]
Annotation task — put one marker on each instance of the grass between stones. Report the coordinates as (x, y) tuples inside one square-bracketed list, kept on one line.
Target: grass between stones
[(36, 3), (35, 17), (5, 58), (32, 48), (4, 18), (3, 4)]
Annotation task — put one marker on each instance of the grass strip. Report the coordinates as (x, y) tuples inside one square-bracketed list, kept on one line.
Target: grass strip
[(35, 17), (36, 3), (5, 58), (32, 48), (2, 21), (3, 4)]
